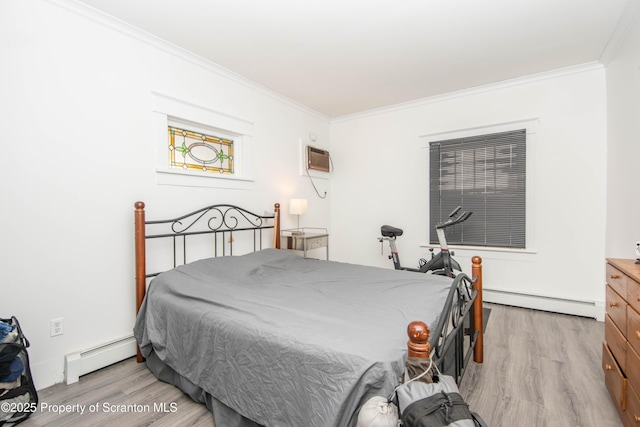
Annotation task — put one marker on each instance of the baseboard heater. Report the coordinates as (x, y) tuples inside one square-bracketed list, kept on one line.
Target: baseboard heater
[(578, 307), (84, 362)]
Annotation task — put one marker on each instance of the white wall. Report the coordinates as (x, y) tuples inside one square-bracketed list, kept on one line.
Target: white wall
[(380, 179), (623, 111), (78, 151)]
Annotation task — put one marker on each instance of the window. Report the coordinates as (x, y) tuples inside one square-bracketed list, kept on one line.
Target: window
[(199, 151), (200, 147), (484, 174)]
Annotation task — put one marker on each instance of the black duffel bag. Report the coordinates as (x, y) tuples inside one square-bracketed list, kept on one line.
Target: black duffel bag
[(18, 396)]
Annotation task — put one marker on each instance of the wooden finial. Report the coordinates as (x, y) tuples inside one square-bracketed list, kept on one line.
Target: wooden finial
[(418, 344)]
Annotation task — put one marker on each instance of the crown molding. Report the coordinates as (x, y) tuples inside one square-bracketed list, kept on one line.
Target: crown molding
[(109, 21), (630, 15), (561, 72)]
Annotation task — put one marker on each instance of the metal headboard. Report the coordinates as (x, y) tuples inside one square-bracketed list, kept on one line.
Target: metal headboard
[(220, 220)]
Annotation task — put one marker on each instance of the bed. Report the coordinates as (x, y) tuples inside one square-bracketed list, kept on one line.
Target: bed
[(272, 338)]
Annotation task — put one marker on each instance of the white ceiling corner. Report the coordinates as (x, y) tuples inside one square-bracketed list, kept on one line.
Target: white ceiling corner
[(340, 57)]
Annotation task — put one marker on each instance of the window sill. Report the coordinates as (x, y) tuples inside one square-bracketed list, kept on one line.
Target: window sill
[(474, 250), (202, 179)]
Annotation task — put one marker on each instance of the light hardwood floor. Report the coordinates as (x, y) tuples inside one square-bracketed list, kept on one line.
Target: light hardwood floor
[(125, 383), (540, 370)]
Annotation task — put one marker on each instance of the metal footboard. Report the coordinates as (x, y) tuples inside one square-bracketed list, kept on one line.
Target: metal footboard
[(454, 338)]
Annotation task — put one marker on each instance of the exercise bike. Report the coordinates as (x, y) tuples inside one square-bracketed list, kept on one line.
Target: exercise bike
[(441, 263)]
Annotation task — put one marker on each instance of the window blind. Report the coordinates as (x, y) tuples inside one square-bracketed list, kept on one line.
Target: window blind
[(486, 175)]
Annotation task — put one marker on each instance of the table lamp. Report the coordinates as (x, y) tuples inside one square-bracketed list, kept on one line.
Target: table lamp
[(297, 207)]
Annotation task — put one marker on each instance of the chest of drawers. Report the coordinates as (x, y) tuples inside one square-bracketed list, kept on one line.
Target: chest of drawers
[(621, 349)]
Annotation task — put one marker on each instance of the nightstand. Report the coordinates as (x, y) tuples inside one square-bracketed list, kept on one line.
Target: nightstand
[(305, 239)]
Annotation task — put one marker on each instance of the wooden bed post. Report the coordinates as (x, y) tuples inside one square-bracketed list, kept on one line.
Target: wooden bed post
[(418, 363), (140, 262), (418, 344), (476, 270), (276, 226)]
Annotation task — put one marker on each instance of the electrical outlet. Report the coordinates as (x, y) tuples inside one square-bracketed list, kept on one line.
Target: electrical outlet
[(57, 327)]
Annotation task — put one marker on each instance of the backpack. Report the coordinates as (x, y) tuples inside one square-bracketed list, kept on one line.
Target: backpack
[(18, 396), (436, 404)]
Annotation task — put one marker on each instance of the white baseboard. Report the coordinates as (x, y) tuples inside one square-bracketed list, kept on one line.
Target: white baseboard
[(84, 362), (593, 309)]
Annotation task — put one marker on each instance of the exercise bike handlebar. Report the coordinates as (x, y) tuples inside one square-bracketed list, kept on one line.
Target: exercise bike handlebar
[(453, 221), (455, 211)]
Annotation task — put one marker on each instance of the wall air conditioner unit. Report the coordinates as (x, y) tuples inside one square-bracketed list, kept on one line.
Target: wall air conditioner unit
[(318, 159)]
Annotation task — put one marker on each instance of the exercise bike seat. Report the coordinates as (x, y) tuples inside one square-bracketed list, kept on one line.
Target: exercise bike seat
[(389, 231)]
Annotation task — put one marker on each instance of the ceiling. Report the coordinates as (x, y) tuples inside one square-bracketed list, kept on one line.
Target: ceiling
[(340, 57)]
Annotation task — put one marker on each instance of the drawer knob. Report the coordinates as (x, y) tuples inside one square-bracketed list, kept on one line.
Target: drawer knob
[(608, 367), (636, 418), (638, 334), (613, 304), (615, 276)]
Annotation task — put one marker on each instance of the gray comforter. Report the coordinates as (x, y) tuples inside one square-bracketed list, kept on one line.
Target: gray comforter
[(284, 340)]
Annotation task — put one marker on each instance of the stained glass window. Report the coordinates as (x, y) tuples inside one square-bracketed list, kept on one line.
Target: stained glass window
[(192, 150)]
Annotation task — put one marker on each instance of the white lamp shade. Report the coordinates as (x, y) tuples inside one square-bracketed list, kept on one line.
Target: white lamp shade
[(297, 206)]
